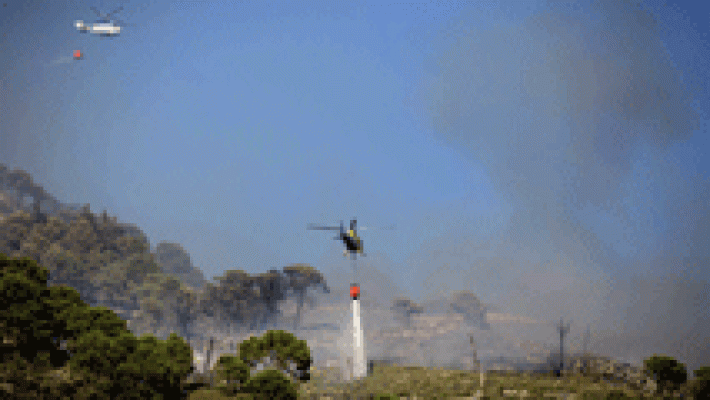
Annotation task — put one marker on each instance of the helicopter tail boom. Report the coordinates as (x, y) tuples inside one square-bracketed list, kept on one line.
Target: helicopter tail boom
[(323, 228)]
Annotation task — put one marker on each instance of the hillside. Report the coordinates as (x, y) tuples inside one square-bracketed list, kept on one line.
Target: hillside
[(27, 209)]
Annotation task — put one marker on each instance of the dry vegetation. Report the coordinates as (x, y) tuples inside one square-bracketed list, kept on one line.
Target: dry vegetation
[(427, 383)]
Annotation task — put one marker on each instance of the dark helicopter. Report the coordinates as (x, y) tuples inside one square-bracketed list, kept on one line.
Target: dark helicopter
[(353, 243)]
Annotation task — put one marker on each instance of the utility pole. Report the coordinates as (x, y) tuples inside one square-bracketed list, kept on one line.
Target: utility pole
[(585, 358), (208, 356), (474, 361), (563, 329)]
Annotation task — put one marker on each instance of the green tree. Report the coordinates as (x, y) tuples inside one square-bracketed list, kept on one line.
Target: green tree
[(101, 359), (161, 366), (269, 385), (115, 362), (281, 347), (232, 373), (54, 345), (100, 346), (700, 385), (702, 373), (30, 346), (668, 373), (27, 323)]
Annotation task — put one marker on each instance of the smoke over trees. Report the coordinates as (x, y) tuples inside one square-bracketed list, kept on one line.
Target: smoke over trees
[(173, 259), (470, 306), (300, 278), (110, 264), (404, 308)]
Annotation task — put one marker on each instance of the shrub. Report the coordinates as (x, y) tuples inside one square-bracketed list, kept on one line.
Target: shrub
[(702, 373), (271, 384), (700, 386), (668, 373)]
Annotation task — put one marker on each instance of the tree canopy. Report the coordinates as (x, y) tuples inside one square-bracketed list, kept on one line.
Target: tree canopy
[(668, 373), (281, 347), (55, 345)]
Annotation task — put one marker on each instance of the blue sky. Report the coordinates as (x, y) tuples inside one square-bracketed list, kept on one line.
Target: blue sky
[(522, 149), (298, 113)]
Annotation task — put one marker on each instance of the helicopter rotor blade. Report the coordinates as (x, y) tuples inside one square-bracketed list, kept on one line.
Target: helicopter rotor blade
[(114, 11), (123, 23), (98, 13)]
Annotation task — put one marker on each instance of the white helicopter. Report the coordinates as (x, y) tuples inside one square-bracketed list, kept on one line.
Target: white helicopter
[(104, 26)]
